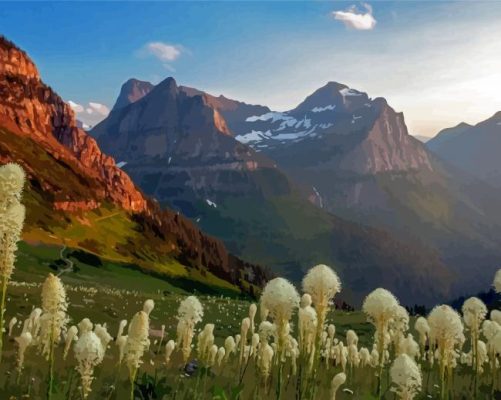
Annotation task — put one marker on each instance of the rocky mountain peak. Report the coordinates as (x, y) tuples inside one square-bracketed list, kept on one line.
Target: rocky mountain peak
[(132, 91), (335, 95)]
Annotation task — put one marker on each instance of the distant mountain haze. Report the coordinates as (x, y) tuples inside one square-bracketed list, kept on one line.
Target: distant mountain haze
[(473, 148)]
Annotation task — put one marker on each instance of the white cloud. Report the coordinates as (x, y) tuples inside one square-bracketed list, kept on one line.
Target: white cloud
[(352, 18), (89, 114), (75, 106), (99, 108), (165, 52)]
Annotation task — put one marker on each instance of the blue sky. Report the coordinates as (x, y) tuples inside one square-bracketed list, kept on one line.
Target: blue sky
[(438, 62)]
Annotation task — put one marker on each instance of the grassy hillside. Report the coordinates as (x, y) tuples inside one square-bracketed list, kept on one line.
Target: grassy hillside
[(163, 248)]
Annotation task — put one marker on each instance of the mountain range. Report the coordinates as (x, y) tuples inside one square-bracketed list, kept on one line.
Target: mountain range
[(349, 155), (336, 180), (238, 193)]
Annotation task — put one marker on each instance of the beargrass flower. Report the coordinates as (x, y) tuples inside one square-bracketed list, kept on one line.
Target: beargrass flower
[(406, 377), (52, 321), (322, 284), (190, 312), (423, 329), (497, 281), (446, 334), (12, 214), (23, 342), (169, 349), (89, 352), (338, 380), (71, 336), (280, 297), (474, 313)]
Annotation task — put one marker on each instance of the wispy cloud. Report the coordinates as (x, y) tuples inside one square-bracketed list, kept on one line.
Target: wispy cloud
[(99, 108), (164, 52), (355, 19)]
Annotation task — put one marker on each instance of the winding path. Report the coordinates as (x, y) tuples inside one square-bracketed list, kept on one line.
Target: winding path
[(69, 263)]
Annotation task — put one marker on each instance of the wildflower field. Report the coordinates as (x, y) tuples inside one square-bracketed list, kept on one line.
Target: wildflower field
[(69, 334)]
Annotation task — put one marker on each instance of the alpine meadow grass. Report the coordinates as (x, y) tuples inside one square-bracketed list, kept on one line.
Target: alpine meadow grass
[(288, 345)]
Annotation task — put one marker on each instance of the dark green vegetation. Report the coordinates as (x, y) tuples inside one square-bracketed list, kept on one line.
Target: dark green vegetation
[(290, 234)]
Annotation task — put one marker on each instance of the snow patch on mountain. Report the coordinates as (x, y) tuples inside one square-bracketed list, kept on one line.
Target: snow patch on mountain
[(273, 116), (350, 92), (325, 125), (304, 122), (211, 203), (322, 109), (253, 136), (294, 135)]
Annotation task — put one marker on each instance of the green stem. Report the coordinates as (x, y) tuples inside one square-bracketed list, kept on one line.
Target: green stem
[(132, 380), (279, 381), (51, 365), (199, 372), (205, 383), (245, 369), (117, 375), (2, 312), (70, 383)]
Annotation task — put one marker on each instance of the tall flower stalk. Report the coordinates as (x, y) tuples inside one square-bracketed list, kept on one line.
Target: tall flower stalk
[(381, 306), (474, 313), (281, 299), (322, 284), (189, 313), (446, 334), (89, 352), (137, 342), (52, 322), (12, 214)]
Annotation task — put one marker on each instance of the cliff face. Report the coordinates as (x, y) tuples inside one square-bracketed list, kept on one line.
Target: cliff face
[(387, 147), (29, 107)]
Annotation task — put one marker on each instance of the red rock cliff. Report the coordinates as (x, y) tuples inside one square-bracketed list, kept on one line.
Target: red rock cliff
[(30, 107)]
